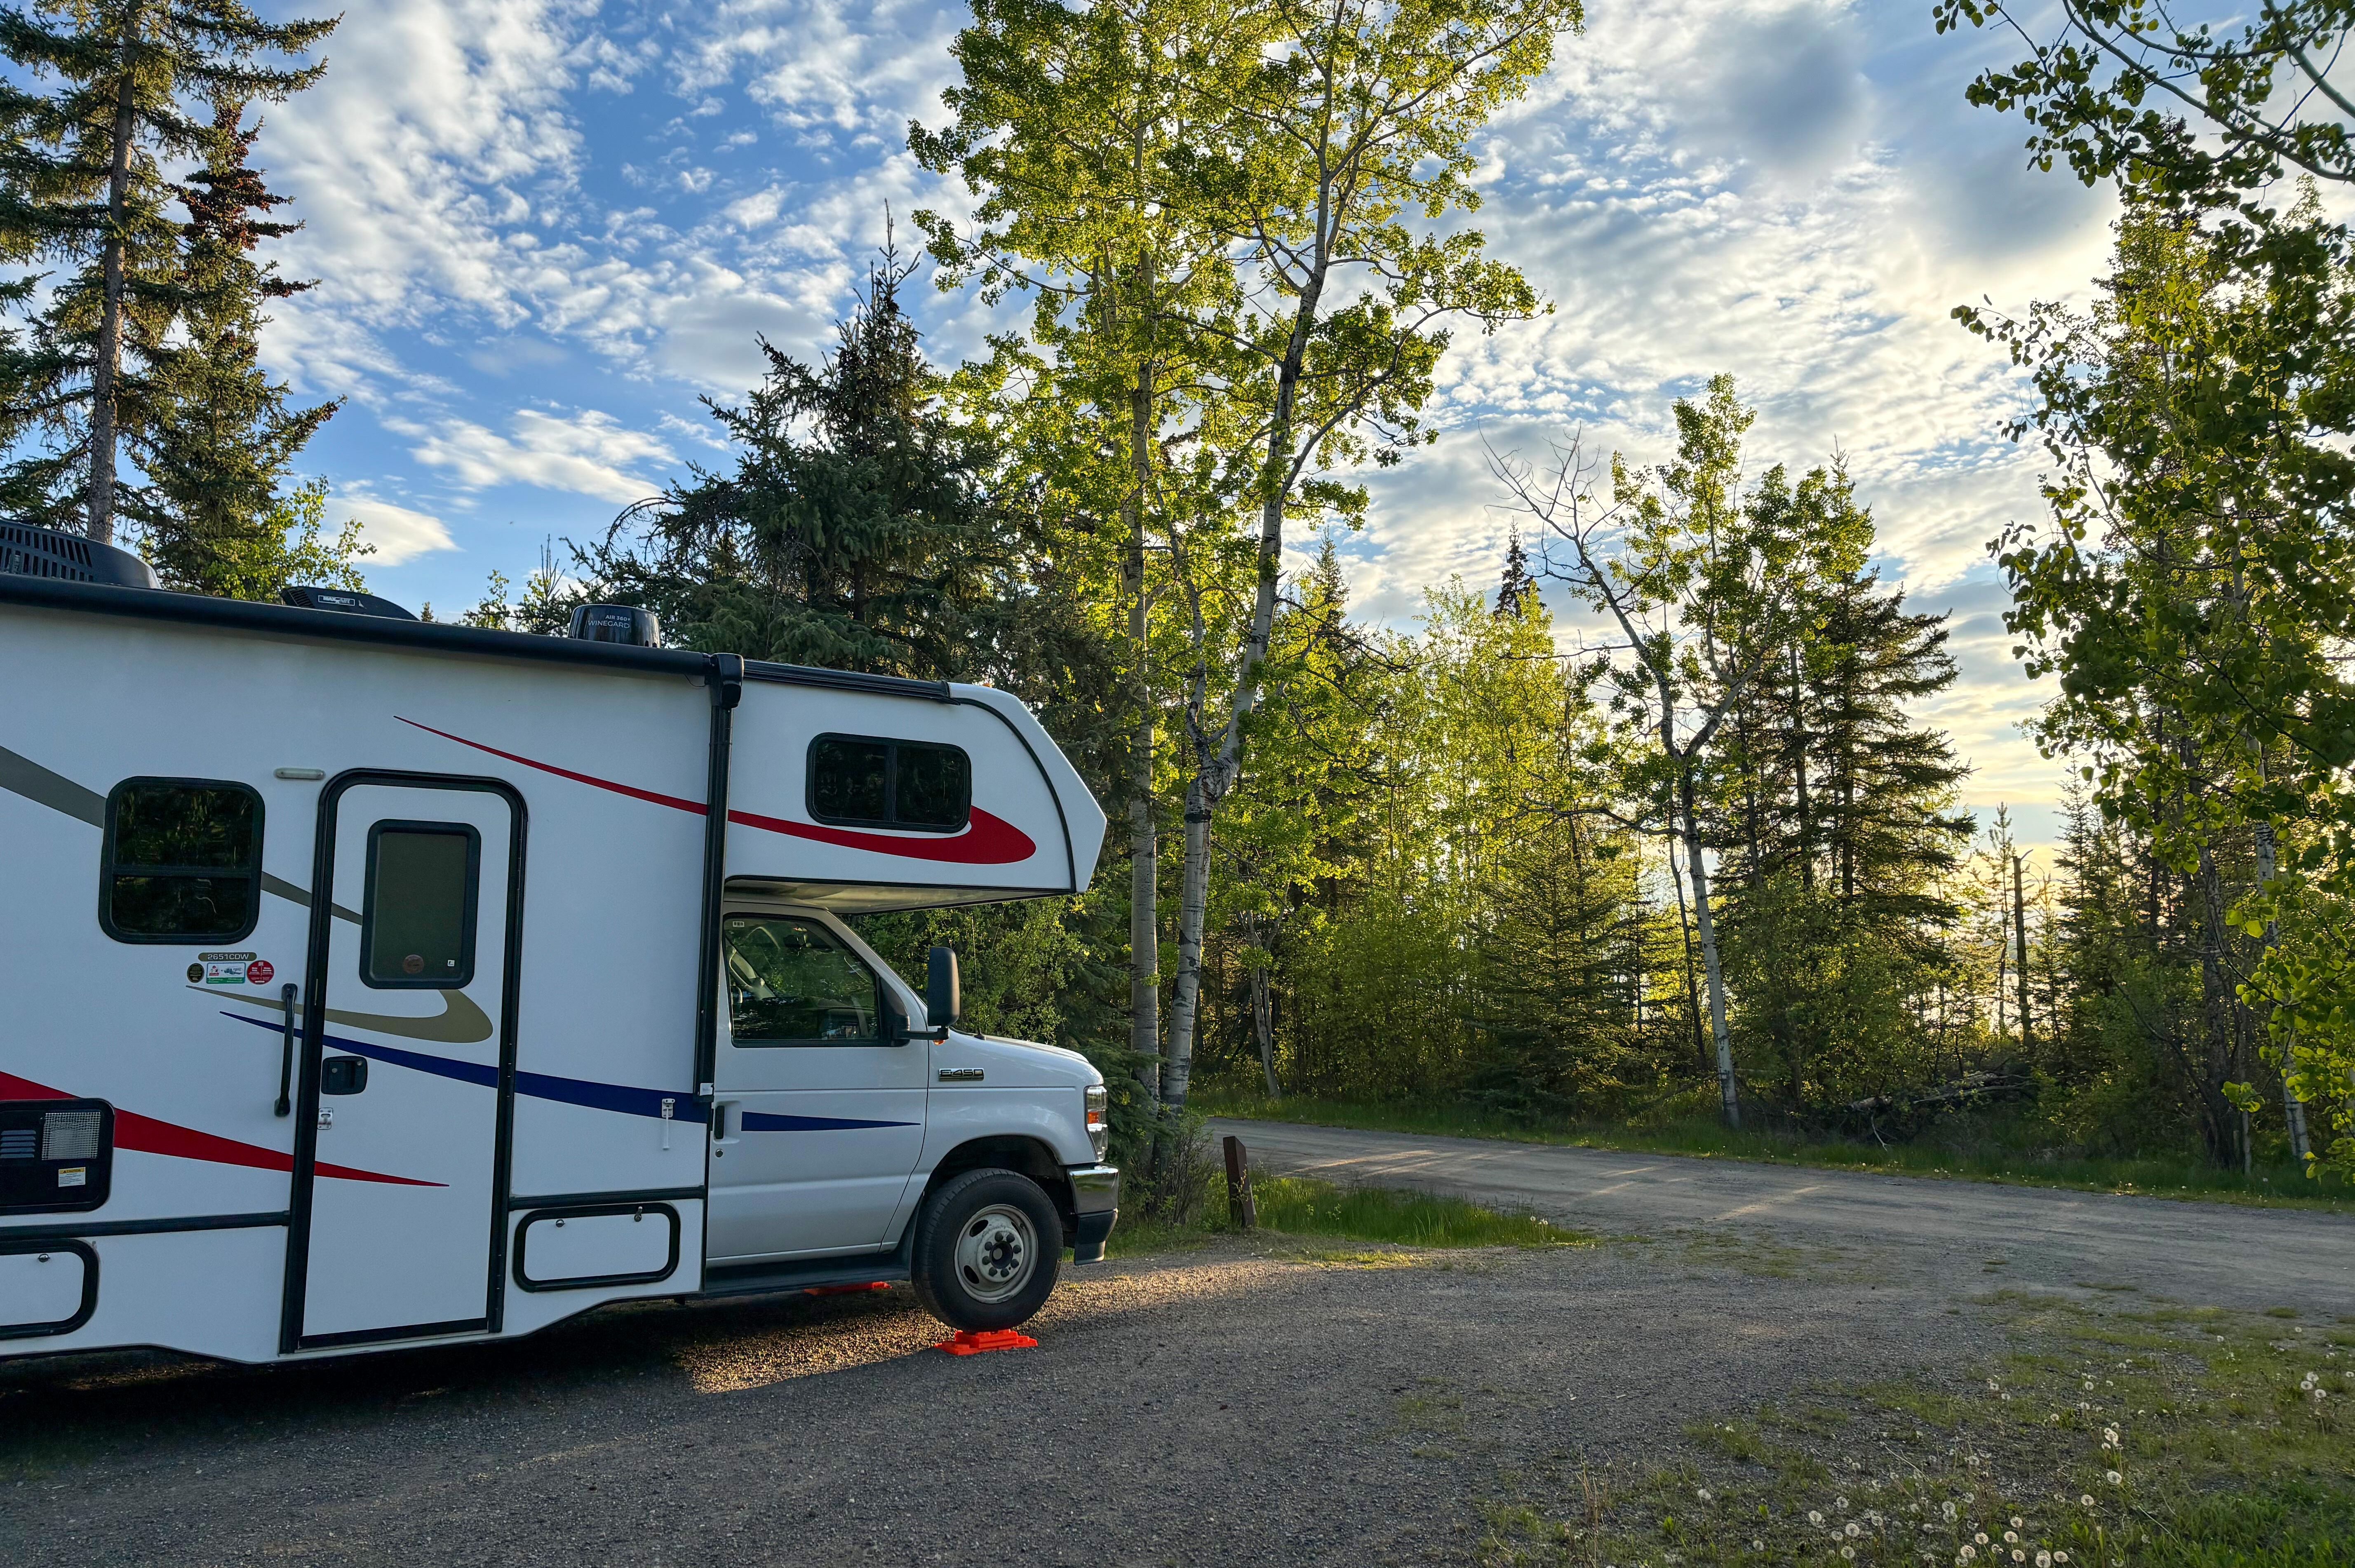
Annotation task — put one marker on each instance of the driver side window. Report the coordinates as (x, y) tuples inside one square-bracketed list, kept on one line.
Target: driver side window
[(792, 982)]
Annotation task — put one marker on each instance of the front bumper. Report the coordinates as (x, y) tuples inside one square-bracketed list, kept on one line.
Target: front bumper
[(1095, 1204)]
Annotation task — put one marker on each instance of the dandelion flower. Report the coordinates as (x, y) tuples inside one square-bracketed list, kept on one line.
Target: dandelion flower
[(2060, 1557), (2044, 1560), (1848, 1553), (1966, 1553), (2011, 1537), (2086, 1501), (1703, 1493), (1816, 1517), (1853, 1530), (1757, 1546), (1840, 1503), (2115, 1478), (2018, 1556), (2016, 1522), (1980, 1537)]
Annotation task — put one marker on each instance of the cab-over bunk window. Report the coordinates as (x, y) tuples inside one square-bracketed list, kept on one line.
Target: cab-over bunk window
[(181, 861), (860, 781)]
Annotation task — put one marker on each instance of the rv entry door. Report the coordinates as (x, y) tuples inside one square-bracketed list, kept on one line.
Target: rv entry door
[(406, 1061)]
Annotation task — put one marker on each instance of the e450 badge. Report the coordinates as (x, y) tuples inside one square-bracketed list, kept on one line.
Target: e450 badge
[(229, 969)]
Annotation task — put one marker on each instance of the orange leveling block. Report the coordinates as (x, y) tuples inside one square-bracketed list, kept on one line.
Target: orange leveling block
[(973, 1342)]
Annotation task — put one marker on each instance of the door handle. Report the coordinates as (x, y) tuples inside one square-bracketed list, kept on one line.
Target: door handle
[(719, 1109), (285, 1106)]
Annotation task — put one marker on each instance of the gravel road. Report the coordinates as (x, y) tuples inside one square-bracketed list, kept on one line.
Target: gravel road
[(1256, 1402), (2213, 1254)]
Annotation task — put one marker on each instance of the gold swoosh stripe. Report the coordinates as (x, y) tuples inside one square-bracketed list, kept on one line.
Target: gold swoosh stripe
[(461, 1022)]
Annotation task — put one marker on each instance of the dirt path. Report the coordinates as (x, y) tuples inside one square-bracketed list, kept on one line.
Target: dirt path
[(2213, 1254)]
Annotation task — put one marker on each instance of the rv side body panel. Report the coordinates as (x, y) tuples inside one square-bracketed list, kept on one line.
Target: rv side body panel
[(185, 1039)]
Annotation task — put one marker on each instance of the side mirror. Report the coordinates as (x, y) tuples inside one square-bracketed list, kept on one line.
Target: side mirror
[(943, 1003)]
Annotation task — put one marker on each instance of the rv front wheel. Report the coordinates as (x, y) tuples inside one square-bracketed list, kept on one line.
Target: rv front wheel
[(987, 1245)]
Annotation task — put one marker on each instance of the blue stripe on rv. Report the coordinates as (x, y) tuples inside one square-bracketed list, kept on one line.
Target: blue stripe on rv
[(621, 1097)]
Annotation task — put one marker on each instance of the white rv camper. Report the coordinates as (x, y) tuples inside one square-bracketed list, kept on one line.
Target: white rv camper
[(379, 982)]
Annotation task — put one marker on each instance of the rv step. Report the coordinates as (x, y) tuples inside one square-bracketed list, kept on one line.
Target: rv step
[(762, 1279)]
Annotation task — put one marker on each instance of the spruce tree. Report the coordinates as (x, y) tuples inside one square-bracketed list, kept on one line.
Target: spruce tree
[(221, 436), (105, 108), (855, 531)]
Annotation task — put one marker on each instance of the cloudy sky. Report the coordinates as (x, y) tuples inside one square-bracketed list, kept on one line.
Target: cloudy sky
[(545, 227)]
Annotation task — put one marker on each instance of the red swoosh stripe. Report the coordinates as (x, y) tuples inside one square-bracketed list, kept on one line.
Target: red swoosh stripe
[(145, 1135), (990, 840), (672, 801)]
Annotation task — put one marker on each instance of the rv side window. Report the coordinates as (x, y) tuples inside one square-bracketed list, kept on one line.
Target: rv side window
[(792, 982), (181, 861), (860, 782), (416, 922)]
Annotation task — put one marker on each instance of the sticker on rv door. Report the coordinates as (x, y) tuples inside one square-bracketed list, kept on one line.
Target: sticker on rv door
[(228, 969)]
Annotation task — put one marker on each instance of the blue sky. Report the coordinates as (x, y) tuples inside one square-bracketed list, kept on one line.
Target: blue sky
[(545, 227)]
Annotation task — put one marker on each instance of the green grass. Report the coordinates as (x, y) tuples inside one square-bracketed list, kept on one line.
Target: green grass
[(2222, 1458), (1301, 1206), (1298, 1205), (1996, 1151)]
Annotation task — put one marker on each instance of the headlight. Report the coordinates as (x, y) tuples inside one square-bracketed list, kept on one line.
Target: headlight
[(1099, 1100)]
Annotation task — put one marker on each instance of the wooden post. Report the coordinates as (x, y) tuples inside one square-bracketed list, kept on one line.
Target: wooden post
[(1241, 1209)]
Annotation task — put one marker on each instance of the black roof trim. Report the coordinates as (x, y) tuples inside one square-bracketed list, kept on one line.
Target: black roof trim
[(431, 636)]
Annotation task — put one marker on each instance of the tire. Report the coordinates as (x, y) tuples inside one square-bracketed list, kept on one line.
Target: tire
[(987, 1247)]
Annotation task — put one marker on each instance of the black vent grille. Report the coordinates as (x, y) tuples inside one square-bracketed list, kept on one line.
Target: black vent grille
[(17, 1143), (45, 553), (36, 552)]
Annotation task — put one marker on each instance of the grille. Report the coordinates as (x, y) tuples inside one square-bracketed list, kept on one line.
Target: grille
[(45, 553), (30, 550), (71, 1135), (16, 1143)]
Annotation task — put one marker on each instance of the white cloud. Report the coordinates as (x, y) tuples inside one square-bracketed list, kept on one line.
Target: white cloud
[(395, 533), (588, 453)]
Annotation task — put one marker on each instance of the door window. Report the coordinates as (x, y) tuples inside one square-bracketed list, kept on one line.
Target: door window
[(417, 927), (181, 861), (792, 982)]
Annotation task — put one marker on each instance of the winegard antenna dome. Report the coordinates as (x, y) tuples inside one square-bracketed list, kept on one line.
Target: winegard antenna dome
[(33, 551), (617, 623)]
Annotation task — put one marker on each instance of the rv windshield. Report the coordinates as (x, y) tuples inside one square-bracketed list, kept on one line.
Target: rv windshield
[(792, 982)]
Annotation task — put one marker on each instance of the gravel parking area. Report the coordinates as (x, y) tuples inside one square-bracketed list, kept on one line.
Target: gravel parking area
[(1240, 1404), (1257, 1401)]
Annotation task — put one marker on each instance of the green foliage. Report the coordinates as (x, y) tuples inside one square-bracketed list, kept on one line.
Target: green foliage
[(212, 517), (2191, 590), (89, 135), (2130, 90), (858, 529)]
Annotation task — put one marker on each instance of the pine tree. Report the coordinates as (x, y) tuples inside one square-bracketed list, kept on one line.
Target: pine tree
[(221, 436), (856, 530), (85, 144), (1518, 585)]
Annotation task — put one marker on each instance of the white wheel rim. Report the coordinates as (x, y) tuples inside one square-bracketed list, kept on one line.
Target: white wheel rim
[(997, 1252)]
